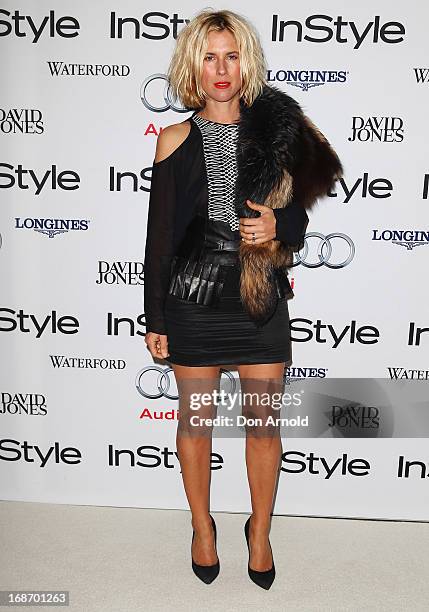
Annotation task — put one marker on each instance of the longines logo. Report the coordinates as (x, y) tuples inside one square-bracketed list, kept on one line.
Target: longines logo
[(378, 129), (87, 363), (22, 403), (405, 238), (421, 74), (27, 178), (21, 121), (324, 333), (307, 79), (51, 227), (407, 374), (120, 273), (32, 324), (105, 70), (154, 26), (23, 26), (338, 29), (14, 450), (295, 373)]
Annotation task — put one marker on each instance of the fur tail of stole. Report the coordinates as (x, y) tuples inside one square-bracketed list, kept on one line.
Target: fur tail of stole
[(257, 286)]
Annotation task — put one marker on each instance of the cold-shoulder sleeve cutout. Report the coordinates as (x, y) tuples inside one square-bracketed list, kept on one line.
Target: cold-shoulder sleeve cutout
[(156, 163)]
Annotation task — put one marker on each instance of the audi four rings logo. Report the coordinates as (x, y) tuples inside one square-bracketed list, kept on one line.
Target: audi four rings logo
[(152, 388), (325, 251), (157, 87)]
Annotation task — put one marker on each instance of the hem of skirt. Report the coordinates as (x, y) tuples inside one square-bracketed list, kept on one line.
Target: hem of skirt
[(189, 362)]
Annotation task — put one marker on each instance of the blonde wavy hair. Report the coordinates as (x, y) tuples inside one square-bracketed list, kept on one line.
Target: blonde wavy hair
[(186, 65)]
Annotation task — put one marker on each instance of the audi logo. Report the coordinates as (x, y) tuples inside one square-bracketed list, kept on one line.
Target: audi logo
[(325, 251), (151, 388), (153, 90)]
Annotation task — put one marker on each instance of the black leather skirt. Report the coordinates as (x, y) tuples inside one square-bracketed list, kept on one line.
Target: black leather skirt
[(206, 322)]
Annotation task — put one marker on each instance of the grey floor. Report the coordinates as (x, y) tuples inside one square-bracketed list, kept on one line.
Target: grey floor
[(126, 560)]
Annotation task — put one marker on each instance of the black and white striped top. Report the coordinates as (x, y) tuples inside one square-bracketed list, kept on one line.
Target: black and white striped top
[(219, 145)]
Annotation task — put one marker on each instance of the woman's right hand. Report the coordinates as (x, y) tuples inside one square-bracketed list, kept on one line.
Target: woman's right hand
[(157, 345)]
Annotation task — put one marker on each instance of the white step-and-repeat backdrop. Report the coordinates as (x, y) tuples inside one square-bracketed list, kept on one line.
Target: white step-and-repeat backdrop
[(86, 416)]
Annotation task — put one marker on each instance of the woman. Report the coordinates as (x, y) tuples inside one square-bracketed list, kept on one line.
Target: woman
[(230, 189)]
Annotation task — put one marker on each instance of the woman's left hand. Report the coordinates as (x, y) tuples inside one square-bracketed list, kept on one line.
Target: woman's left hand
[(263, 226)]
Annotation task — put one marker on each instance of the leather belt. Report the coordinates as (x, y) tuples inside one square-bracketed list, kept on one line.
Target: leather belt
[(222, 245)]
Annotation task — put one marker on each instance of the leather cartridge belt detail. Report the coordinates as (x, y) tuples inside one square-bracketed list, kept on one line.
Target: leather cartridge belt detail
[(203, 260)]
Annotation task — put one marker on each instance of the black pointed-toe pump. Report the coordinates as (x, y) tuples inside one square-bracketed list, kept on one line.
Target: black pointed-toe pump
[(263, 579), (207, 573)]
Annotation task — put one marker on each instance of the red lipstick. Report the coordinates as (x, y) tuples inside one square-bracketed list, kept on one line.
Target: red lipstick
[(222, 84)]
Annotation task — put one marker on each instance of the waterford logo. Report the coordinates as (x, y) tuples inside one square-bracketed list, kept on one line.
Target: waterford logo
[(307, 79), (107, 70), (406, 238), (51, 227), (422, 75)]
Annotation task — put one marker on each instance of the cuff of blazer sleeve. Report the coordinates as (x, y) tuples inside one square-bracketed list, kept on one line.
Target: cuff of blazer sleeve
[(291, 223), (156, 326)]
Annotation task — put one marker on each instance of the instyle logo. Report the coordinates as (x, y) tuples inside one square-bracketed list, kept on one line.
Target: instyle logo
[(125, 326), (297, 462), (153, 26), (324, 333), (51, 227), (363, 187), (409, 239), (129, 181), (14, 450), (378, 129), (21, 121), (412, 468), (152, 457), (49, 26), (76, 70), (18, 320), (120, 273), (415, 334), (407, 374), (307, 79), (36, 182), (337, 29), (87, 363), (22, 403)]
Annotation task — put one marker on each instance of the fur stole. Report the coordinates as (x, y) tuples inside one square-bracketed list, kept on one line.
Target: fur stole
[(281, 155)]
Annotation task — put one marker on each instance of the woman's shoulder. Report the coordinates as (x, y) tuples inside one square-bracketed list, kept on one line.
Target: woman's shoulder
[(171, 139)]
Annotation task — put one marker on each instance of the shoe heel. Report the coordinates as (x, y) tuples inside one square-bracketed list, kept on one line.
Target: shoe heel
[(206, 573), (262, 579)]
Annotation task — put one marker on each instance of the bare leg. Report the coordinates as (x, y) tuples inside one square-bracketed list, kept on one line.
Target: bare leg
[(194, 455), (263, 456)]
